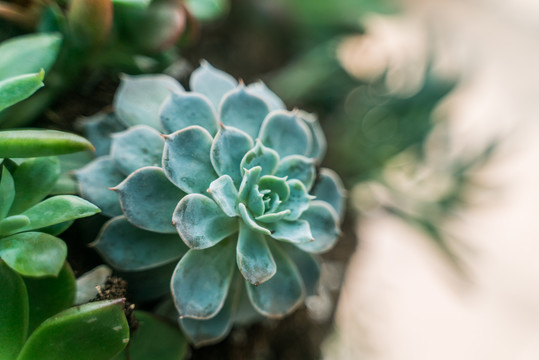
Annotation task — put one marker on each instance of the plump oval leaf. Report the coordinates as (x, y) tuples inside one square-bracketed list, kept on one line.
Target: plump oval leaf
[(129, 248), (228, 149), (35, 143), (261, 90), (296, 232), (329, 188), (13, 312), (186, 159), (324, 224), (261, 156), (98, 129), (285, 133), (148, 199), (33, 253), (298, 167), (201, 280), (225, 195), (7, 192), (12, 224), (211, 82), (150, 284), (201, 223), (138, 98), (96, 330), (183, 109), (253, 256), (307, 265), (18, 88)]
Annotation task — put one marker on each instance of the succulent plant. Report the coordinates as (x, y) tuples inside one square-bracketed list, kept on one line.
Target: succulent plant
[(232, 172)]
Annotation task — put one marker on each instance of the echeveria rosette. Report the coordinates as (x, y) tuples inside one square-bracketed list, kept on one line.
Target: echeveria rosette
[(238, 182)]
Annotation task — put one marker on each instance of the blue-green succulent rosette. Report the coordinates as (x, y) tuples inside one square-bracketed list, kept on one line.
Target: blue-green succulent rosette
[(230, 171)]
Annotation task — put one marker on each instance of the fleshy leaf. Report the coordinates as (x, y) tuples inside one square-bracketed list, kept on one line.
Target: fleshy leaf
[(146, 285), (99, 128), (96, 330), (183, 109), (87, 282), (36, 143), (211, 82), (273, 217), (139, 98), (34, 179), (253, 256), (137, 147), (296, 232), (244, 111), (297, 202), (276, 185), (225, 195), (148, 199), (227, 151), (186, 159), (319, 144), (285, 133), (201, 280), (307, 266), (201, 223), (7, 192), (49, 295), (261, 156), (281, 294), (95, 181), (329, 188), (261, 90), (69, 163), (14, 312), (250, 222), (249, 181), (11, 224), (324, 224), (15, 89), (129, 248), (33, 253), (298, 167)]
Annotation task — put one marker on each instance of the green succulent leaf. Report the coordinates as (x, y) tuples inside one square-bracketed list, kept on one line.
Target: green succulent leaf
[(329, 188), (248, 183), (200, 291), (33, 253), (28, 54), (57, 229), (36, 143), (183, 109), (96, 330), (34, 179), (307, 266), (261, 90), (296, 232), (95, 181), (208, 10), (228, 150), (261, 156), (253, 256), (186, 159), (138, 99), (324, 223), (137, 147), (12, 224), (250, 222), (201, 223), (281, 294), (298, 167), (211, 82), (49, 295), (273, 217), (285, 133), (7, 192), (99, 128), (244, 111), (297, 202), (128, 248), (319, 144), (18, 88), (274, 184), (148, 199), (154, 339), (13, 313), (150, 284), (69, 163), (224, 193)]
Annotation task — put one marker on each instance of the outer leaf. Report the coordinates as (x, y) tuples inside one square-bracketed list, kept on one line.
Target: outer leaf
[(324, 224), (34, 179), (307, 266), (261, 90), (297, 232), (95, 181), (244, 111), (99, 128), (154, 339), (149, 284), (250, 222), (28, 54), (227, 151), (329, 188), (13, 313), (319, 144), (211, 82), (285, 133), (281, 294), (261, 156), (18, 88), (7, 192), (254, 257), (12, 224), (33, 253), (225, 195), (137, 147), (298, 167), (201, 280), (49, 295), (58, 209), (69, 163), (201, 223), (97, 330), (34, 143), (183, 109), (148, 199), (129, 248), (186, 159), (138, 99)]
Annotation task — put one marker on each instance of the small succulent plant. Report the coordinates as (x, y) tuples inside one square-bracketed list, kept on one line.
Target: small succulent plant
[(232, 172)]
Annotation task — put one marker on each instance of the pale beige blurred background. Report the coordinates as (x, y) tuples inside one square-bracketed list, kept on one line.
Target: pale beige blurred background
[(401, 299)]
